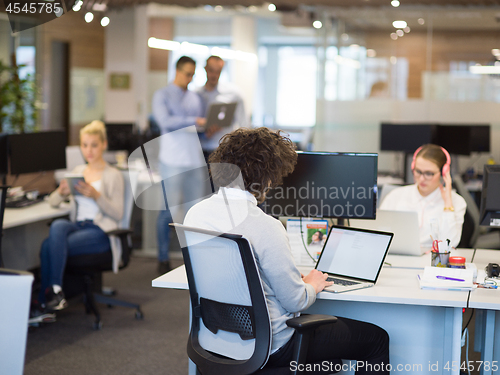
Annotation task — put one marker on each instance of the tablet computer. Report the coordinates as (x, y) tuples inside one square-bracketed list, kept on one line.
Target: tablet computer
[(220, 114), (73, 180)]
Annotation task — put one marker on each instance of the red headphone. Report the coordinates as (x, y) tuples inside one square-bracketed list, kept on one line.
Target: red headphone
[(446, 166)]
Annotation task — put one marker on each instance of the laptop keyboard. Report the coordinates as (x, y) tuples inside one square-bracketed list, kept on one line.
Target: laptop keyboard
[(341, 281)]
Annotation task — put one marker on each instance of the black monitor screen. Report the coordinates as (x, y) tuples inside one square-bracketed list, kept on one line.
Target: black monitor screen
[(480, 138), (490, 197), (36, 152), (120, 136), (456, 139), (405, 137), (341, 185), (4, 156)]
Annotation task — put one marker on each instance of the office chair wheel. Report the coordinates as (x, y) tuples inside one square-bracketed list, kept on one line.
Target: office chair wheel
[(97, 326), (139, 315)]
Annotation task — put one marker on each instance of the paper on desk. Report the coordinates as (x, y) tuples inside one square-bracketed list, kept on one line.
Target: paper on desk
[(429, 279), (306, 247)]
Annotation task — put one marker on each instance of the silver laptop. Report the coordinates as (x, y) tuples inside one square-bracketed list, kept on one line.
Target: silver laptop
[(221, 114), (353, 257), (404, 225)]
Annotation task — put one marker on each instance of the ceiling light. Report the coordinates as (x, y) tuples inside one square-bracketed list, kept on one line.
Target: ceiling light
[(400, 33), (399, 24), (344, 37), (421, 21), (208, 8), (317, 24), (395, 3), (89, 17), (495, 52), (104, 21), (371, 53), (77, 6), (194, 48), (163, 44), (218, 8), (485, 69), (252, 9), (394, 36), (407, 29), (271, 7), (393, 60)]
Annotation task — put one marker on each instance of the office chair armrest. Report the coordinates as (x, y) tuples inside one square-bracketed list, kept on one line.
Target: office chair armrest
[(119, 232), (307, 322)]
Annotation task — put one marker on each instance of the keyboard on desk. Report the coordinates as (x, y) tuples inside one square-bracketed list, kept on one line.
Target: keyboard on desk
[(341, 281), (19, 203)]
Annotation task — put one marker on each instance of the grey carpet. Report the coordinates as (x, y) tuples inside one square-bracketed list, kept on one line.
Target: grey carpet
[(155, 345)]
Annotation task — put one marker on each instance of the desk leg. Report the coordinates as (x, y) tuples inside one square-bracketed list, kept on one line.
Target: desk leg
[(453, 335), (488, 333)]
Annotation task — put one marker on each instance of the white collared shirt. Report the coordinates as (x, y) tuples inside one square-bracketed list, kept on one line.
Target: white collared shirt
[(429, 208)]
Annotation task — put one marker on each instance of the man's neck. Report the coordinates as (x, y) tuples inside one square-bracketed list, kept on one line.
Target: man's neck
[(178, 85), (210, 87)]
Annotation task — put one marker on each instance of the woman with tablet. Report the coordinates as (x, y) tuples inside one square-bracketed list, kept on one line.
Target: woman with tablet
[(440, 210), (96, 207)]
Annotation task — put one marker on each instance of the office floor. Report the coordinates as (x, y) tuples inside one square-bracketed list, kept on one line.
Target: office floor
[(155, 345)]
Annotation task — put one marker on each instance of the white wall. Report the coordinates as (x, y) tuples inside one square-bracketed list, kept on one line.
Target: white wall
[(345, 126)]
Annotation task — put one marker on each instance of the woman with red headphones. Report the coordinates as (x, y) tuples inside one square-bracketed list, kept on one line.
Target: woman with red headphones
[(433, 199)]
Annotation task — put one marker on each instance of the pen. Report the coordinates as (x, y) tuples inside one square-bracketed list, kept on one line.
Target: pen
[(448, 278)]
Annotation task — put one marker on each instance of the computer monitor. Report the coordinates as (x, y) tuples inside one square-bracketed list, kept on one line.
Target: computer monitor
[(120, 136), (405, 137), (490, 197), (4, 155), (329, 185), (456, 139), (37, 152), (480, 138)]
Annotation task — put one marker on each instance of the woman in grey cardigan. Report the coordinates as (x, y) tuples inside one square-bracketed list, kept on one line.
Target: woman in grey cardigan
[(96, 207)]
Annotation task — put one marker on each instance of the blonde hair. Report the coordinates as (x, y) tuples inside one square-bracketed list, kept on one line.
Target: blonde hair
[(96, 127)]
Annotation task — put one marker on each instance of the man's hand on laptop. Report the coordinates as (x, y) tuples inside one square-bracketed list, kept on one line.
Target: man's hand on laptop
[(318, 280)]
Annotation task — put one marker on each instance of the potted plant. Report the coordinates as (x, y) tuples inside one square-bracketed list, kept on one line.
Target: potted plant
[(18, 109)]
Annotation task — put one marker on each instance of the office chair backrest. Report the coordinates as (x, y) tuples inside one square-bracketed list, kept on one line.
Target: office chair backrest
[(3, 196), (130, 179), (470, 229), (74, 157), (230, 315)]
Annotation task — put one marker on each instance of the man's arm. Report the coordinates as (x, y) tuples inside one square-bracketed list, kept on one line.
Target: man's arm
[(166, 120)]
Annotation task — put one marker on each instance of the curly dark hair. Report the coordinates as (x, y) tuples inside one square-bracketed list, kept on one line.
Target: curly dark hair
[(263, 156)]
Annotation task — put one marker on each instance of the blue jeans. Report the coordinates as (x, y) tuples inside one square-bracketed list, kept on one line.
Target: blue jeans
[(68, 239), (184, 187)]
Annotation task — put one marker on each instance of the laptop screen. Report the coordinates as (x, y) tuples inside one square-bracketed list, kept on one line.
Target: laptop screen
[(352, 252)]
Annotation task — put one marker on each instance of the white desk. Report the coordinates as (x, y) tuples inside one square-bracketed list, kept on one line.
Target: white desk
[(424, 325), (24, 229)]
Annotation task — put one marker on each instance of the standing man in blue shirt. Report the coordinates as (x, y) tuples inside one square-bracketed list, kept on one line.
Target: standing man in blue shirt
[(220, 92), (179, 115)]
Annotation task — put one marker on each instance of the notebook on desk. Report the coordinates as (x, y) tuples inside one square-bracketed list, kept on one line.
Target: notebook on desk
[(404, 225), (353, 257)]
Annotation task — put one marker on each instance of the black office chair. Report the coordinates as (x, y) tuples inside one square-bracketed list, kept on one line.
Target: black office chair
[(83, 273), (230, 327), (470, 227), (3, 196)]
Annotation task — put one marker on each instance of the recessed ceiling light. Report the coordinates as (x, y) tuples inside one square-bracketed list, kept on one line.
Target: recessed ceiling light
[(218, 8), (421, 21), (399, 24), (89, 17), (395, 3), (271, 7), (104, 21), (317, 24), (400, 33), (394, 36), (393, 60), (371, 53), (407, 29), (495, 51)]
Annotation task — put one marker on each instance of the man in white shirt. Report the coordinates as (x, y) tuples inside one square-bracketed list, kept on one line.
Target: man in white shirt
[(219, 92)]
